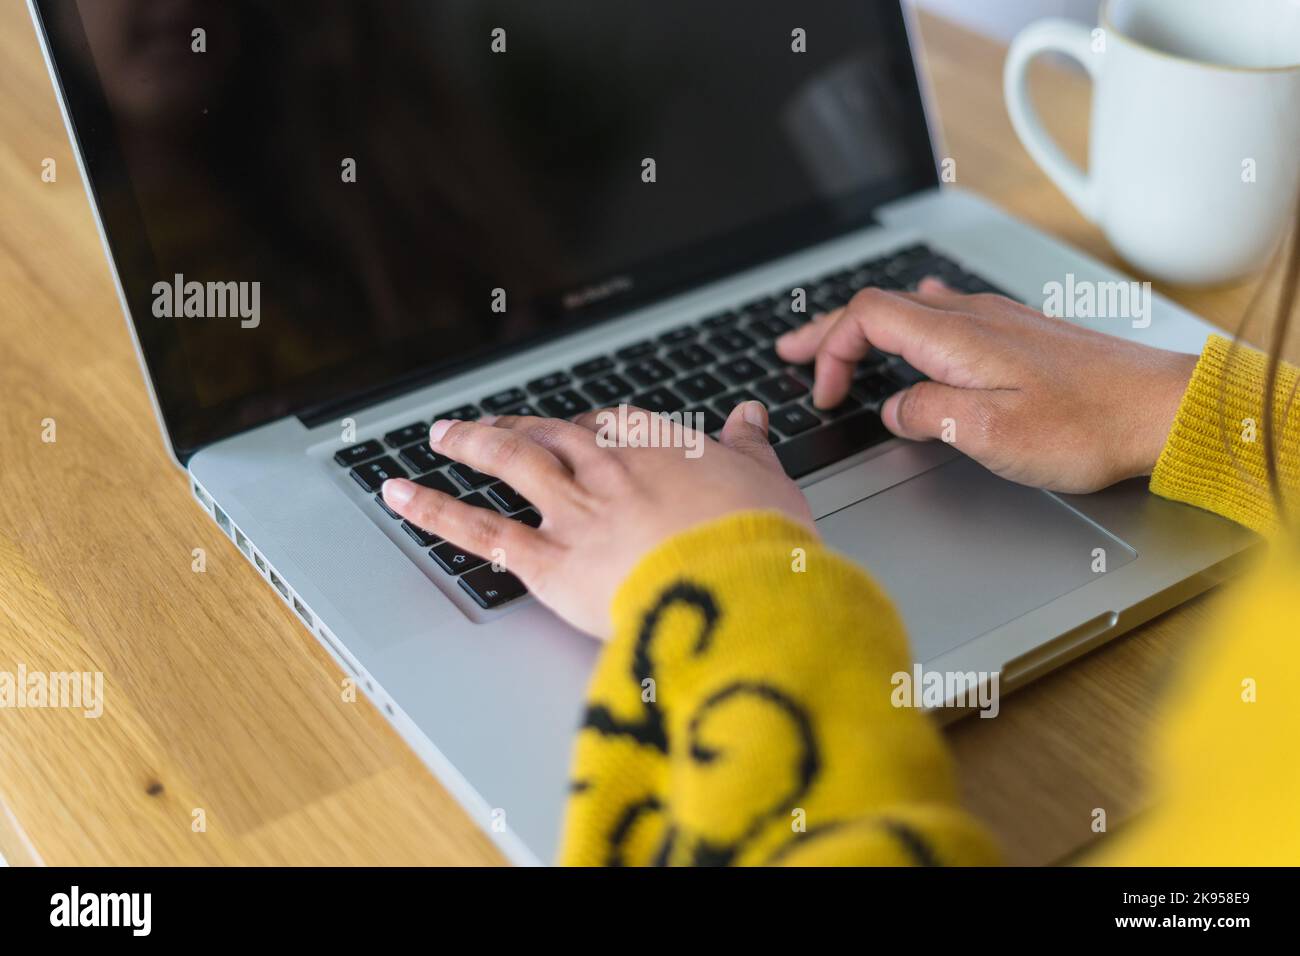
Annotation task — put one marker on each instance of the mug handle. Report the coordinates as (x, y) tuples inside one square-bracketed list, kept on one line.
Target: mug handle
[(1054, 36)]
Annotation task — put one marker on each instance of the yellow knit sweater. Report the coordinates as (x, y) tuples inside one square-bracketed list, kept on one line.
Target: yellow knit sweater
[(742, 713)]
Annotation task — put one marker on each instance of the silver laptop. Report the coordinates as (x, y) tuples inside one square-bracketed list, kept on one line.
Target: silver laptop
[(328, 229)]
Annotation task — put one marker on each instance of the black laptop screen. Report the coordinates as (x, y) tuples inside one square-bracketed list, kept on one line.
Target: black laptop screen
[(307, 202)]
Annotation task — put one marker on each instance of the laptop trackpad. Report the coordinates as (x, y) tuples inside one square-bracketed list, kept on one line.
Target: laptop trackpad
[(962, 552)]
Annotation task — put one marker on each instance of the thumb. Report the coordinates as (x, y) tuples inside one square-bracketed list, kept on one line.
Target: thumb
[(930, 410), (746, 432)]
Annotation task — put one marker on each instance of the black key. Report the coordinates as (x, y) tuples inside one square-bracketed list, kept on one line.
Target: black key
[(529, 517), (690, 357), (783, 305), (379, 500), (679, 335), (523, 411), (503, 400), (793, 420), (359, 453), (730, 342), (564, 404), (773, 361), (477, 500), (768, 357), (549, 383), (824, 300), (780, 389), (468, 477), (722, 320), (438, 482), (507, 497), (424, 538), (596, 366), (712, 420), (876, 388), (492, 588), (638, 350), (846, 407), (805, 454), (974, 285), (608, 390), (740, 371), (407, 434), (421, 458), (870, 364), (699, 387), (455, 560), (769, 326), (649, 371), (658, 400), (372, 475), (890, 284), (904, 374), (804, 373), (727, 403), (465, 413)]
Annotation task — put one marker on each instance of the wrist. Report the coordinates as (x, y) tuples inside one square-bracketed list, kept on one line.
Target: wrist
[(1165, 399)]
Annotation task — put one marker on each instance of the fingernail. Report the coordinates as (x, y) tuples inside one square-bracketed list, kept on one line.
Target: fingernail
[(439, 429), (488, 420), (755, 414), (398, 491)]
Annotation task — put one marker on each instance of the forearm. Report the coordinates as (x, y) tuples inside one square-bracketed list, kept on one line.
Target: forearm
[(1216, 456), (743, 714)]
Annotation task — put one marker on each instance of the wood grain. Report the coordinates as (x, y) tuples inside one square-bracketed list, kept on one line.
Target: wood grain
[(215, 698)]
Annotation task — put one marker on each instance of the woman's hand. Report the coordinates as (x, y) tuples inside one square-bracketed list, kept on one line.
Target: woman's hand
[(1033, 399), (604, 505)]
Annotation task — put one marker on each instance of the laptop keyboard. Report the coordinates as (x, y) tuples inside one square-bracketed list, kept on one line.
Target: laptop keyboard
[(707, 367)]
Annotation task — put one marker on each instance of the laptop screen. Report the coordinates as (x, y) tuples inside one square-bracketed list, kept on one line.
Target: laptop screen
[(310, 202)]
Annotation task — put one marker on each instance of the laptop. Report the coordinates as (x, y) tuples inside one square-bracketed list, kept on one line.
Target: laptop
[(329, 228)]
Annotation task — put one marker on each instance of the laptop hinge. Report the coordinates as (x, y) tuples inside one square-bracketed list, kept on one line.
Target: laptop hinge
[(323, 412)]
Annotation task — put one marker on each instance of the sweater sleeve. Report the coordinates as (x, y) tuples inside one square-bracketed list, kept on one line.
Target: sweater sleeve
[(744, 713), (1225, 781), (1215, 455)]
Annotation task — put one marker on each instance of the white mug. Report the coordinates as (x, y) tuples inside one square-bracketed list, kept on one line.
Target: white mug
[(1194, 163)]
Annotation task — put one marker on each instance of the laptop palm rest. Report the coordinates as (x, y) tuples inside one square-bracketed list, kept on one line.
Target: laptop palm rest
[(962, 552)]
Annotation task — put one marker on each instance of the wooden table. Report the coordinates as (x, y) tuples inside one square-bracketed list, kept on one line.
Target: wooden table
[(217, 701)]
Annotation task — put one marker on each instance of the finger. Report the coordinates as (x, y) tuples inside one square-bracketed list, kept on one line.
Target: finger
[(937, 294), (605, 419), (929, 339), (799, 347), (629, 426), (746, 432), (481, 531), (509, 455), (569, 442), (930, 410), (933, 286)]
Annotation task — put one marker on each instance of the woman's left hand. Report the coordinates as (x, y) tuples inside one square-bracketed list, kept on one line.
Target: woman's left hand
[(604, 504)]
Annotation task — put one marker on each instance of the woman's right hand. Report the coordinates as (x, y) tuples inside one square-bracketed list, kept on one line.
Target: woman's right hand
[(1036, 400)]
